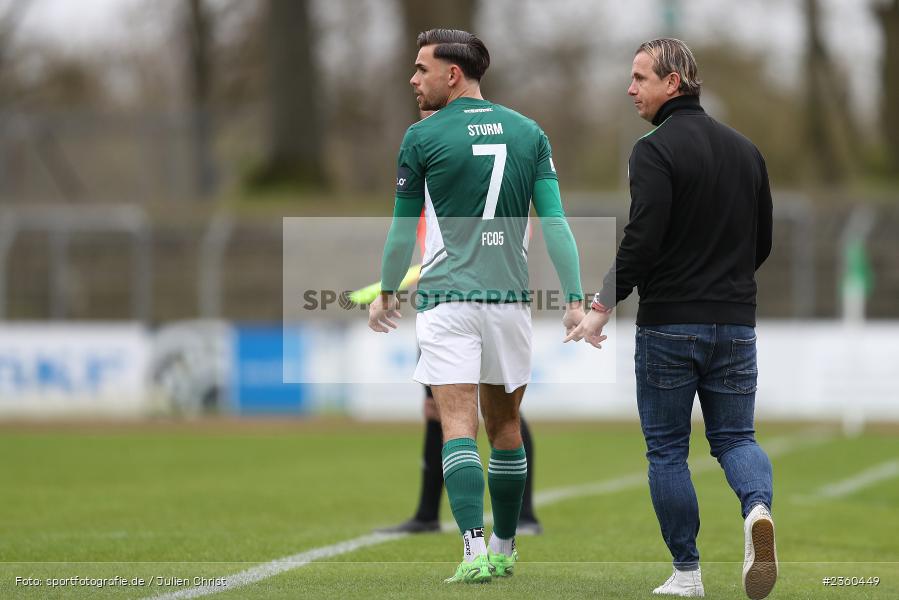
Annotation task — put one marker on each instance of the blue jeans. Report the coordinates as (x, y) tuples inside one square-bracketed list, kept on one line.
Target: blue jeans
[(673, 363)]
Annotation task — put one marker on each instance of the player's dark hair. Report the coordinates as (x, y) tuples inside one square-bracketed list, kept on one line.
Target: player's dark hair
[(458, 47)]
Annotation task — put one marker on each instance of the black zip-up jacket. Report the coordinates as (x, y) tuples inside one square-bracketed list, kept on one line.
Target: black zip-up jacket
[(700, 222)]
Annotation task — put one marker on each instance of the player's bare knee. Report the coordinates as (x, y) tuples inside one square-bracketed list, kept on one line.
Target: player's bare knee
[(507, 441), (459, 425), (455, 433), (504, 435)]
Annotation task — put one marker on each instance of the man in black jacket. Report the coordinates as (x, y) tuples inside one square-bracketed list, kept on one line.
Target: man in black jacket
[(700, 225)]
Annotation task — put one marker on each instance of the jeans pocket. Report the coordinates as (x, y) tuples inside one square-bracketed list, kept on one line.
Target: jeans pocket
[(742, 372), (669, 359)]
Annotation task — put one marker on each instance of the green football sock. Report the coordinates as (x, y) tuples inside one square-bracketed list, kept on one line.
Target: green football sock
[(463, 476), (506, 476)]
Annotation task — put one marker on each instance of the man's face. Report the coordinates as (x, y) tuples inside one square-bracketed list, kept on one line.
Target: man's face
[(431, 80), (648, 90)]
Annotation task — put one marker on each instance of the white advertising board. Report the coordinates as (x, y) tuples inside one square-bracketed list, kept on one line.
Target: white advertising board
[(808, 370), (73, 369)]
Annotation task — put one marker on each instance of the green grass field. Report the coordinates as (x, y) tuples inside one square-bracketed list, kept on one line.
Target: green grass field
[(214, 499)]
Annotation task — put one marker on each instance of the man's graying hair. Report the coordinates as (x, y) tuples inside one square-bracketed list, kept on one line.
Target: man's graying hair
[(458, 47), (670, 55)]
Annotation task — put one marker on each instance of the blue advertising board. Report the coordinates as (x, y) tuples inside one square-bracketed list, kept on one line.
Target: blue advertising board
[(257, 375)]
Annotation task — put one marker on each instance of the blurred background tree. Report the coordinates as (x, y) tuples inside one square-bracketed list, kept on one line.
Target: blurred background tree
[(268, 108), (420, 16), (199, 69), (294, 152), (888, 17), (828, 114), (229, 97)]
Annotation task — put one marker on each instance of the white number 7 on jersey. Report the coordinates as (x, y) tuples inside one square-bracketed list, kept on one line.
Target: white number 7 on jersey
[(496, 177)]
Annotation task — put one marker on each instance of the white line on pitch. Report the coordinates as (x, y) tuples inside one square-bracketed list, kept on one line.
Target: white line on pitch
[(866, 478), (275, 567), (774, 447)]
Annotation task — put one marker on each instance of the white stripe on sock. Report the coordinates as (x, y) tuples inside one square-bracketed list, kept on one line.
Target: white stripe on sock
[(494, 461), (458, 452), (455, 455), (458, 466), (458, 460), (461, 461), (455, 462), (523, 467)]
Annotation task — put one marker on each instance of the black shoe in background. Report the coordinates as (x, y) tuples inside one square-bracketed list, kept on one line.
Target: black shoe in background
[(529, 526), (412, 526)]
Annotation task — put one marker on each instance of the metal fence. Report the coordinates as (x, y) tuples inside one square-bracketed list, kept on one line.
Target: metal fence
[(114, 262)]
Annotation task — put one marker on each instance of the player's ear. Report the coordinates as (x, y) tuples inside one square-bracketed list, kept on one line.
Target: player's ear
[(673, 82), (455, 75)]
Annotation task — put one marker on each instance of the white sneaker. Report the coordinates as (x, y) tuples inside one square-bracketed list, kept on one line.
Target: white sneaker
[(760, 563), (687, 584)]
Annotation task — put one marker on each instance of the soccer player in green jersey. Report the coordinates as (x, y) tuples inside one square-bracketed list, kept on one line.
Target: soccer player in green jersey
[(474, 166)]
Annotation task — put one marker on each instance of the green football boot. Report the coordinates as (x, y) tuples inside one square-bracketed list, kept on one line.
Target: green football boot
[(503, 565), (476, 571)]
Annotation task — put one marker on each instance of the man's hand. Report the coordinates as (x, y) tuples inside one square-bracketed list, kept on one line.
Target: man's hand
[(384, 308), (590, 328), (574, 314)]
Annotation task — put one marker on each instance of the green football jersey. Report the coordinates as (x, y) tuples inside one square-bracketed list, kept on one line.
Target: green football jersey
[(474, 164)]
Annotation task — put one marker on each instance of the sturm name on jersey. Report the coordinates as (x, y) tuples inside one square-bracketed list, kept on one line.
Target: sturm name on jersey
[(485, 129)]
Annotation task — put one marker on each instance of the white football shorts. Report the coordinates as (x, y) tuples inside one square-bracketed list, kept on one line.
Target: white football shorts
[(475, 342)]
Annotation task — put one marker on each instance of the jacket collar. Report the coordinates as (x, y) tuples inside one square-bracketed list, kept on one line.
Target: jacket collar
[(675, 104)]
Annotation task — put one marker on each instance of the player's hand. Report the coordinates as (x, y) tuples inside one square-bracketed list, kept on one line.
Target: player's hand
[(384, 308), (590, 329), (574, 314)]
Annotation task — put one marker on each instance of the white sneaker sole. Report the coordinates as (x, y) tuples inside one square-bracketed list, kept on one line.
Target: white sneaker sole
[(685, 594), (760, 574)]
